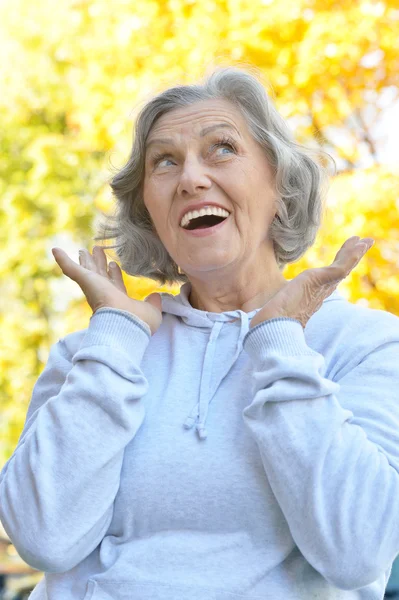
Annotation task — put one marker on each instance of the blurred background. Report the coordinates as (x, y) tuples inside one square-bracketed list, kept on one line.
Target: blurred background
[(73, 75)]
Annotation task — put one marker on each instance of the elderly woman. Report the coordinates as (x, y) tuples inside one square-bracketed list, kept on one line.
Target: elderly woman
[(237, 441)]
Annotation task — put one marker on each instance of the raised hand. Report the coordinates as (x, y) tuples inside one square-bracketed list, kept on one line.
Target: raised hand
[(103, 285), (301, 297)]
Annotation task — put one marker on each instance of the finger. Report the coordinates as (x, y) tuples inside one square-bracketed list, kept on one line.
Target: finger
[(100, 260), (155, 300), (82, 259), (86, 260), (116, 277), (358, 251), (67, 265), (353, 249), (346, 259), (351, 246)]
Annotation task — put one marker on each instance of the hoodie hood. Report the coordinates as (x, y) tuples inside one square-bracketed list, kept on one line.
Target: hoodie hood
[(180, 306)]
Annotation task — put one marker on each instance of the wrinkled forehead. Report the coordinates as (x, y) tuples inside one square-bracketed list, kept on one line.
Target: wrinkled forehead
[(199, 117)]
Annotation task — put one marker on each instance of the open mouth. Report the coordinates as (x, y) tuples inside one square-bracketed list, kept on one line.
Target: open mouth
[(204, 222)]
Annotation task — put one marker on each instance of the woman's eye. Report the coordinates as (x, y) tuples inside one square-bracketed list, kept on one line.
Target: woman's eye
[(163, 160), (160, 159), (224, 145)]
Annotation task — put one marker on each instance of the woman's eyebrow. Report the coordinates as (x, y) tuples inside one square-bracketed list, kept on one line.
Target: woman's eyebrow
[(204, 132), (212, 127)]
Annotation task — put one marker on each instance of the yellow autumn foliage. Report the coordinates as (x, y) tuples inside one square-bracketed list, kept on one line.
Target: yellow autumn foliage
[(73, 74)]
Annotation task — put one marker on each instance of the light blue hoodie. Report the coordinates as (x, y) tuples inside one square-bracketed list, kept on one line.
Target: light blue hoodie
[(210, 461)]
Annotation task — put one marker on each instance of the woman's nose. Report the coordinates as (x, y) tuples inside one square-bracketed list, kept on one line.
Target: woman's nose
[(193, 178)]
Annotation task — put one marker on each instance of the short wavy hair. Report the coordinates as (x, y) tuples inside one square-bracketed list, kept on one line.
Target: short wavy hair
[(299, 177)]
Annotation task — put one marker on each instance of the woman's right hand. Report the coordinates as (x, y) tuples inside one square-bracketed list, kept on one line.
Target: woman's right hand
[(103, 286)]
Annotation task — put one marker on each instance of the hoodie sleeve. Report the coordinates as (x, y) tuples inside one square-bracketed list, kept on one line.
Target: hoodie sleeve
[(57, 489), (330, 449)]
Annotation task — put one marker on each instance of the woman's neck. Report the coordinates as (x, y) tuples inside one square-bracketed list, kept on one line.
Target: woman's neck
[(219, 297)]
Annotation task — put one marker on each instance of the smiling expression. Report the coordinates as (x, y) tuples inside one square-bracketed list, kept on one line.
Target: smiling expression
[(205, 153)]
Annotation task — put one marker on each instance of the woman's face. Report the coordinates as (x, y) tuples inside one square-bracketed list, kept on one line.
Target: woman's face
[(209, 156)]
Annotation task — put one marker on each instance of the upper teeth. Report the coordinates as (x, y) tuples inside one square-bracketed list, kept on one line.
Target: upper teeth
[(208, 210)]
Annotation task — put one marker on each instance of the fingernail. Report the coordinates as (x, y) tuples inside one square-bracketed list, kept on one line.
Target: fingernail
[(368, 243)]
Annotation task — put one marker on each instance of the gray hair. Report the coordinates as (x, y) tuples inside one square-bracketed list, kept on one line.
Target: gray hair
[(299, 178)]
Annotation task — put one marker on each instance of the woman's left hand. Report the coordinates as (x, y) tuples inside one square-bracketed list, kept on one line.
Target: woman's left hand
[(301, 297)]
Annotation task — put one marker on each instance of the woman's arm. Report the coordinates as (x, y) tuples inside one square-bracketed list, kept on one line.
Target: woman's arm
[(57, 489), (330, 449)]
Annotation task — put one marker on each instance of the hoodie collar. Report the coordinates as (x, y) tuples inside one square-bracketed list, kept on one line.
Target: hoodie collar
[(180, 306)]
